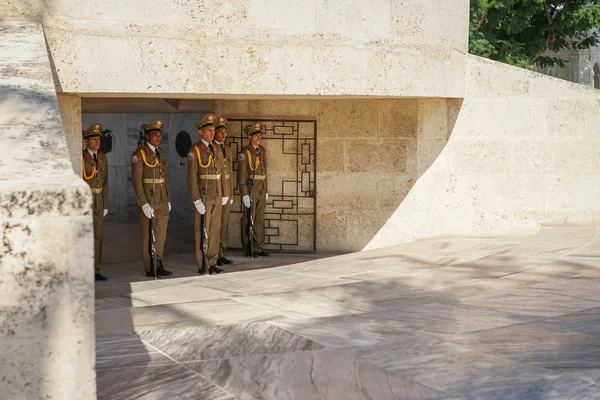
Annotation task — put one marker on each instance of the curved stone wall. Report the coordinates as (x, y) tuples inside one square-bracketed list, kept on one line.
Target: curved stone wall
[(524, 152)]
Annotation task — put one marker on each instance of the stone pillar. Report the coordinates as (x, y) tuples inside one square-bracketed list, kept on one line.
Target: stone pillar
[(70, 113), (47, 342)]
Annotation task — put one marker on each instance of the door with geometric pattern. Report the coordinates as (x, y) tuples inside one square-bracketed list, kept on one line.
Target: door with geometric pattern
[(290, 214)]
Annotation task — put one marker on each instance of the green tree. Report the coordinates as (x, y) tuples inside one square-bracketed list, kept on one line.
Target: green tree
[(517, 32)]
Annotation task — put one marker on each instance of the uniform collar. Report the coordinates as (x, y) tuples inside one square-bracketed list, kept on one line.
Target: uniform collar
[(217, 143), (152, 147), (91, 152), (205, 142)]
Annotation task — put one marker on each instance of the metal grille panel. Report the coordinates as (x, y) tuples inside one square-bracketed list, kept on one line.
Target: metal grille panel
[(290, 215)]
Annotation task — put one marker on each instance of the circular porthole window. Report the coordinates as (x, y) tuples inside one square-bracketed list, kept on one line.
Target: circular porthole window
[(183, 142)]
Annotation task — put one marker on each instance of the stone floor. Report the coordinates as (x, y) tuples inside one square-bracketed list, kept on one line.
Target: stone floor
[(494, 318)]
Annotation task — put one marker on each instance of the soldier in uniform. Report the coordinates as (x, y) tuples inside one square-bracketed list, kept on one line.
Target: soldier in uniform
[(94, 167), (204, 174), (151, 184), (252, 172), (227, 183)]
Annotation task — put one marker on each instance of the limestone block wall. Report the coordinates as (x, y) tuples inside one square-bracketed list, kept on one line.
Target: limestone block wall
[(46, 246), (254, 47), (524, 151), (369, 155)]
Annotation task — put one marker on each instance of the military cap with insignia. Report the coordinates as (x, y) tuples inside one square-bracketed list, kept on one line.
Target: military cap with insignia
[(254, 129), (154, 125), (93, 131), (207, 120), (221, 122)]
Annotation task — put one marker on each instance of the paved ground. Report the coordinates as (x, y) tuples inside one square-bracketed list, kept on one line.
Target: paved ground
[(498, 318)]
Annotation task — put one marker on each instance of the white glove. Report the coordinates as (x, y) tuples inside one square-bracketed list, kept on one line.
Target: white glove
[(105, 212), (224, 201), (200, 207), (266, 196), (148, 211), (169, 206), (246, 200), (231, 201)]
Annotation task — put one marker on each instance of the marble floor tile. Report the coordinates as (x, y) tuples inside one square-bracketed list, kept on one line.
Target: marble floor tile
[(589, 274), (506, 262), (302, 281), (223, 311), (145, 283), (310, 375), (124, 319), (349, 292), (575, 287), (560, 389), (226, 341), (107, 304), (115, 344), (443, 252), (540, 345), (135, 293), (526, 278), (338, 268), (124, 351), (347, 330), (587, 322), (584, 258), (450, 294), (182, 293), (446, 319), (329, 310), (444, 277), (250, 276), (451, 368), (156, 383), (151, 358), (516, 339), (531, 303), (569, 267), (592, 249), (270, 284)]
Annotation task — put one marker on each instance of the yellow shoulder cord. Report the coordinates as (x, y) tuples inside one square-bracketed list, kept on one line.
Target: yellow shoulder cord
[(86, 177), (154, 164), (210, 159), (252, 168)]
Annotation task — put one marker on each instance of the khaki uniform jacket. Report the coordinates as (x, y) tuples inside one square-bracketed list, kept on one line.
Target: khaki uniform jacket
[(142, 175), (227, 178), (209, 177), (245, 173), (99, 181)]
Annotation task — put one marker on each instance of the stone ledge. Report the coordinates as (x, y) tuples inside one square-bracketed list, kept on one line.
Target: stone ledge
[(27, 199)]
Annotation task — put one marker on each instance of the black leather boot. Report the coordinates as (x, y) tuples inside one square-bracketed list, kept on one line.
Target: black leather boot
[(214, 270), (161, 270)]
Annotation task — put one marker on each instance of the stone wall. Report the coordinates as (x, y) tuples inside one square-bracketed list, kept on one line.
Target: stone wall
[(524, 152), (254, 47), (70, 112), (46, 246), (369, 154)]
